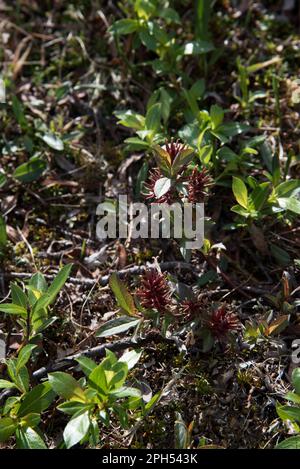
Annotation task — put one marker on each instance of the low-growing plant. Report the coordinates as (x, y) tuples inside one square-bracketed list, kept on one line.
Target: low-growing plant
[(265, 199), (155, 304), (153, 25), (31, 308), (90, 402), (94, 399), (245, 97), (21, 414), (182, 432), (3, 235), (33, 134), (291, 412), (205, 132)]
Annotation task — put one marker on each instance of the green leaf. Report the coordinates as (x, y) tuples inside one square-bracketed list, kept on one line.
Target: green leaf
[(197, 90), (292, 397), (125, 392), (20, 377), (219, 135), (37, 285), (27, 438), (260, 195), (54, 288), (151, 404), (116, 377), (86, 364), (267, 155), (66, 386), (153, 117), (97, 378), (169, 14), (148, 40), (38, 282), (59, 281), (3, 179), (290, 443), (231, 129), (18, 111), (30, 171), (9, 404), (53, 141), (287, 187), (286, 412), (227, 154), (130, 358), (122, 415), (140, 180), (37, 400), (130, 119), (166, 101), (183, 158), (45, 323), (192, 102), (116, 326), (240, 191), (124, 26), (74, 407), (7, 428), (3, 235), (11, 308), (290, 203), (76, 429), (31, 420), (4, 384), (162, 186), (276, 173), (162, 158), (296, 380), (205, 153), (181, 432), (123, 297), (18, 296), (253, 68), (111, 357), (281, 256), (198, 47), (136, 143), (24, 356), (216, 115), (257, 95), (101, 378)]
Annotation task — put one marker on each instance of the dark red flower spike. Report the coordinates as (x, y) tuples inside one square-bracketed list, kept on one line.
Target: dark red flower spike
[(191, 309), (154, 292), (198, 183), (223, 321), (174, 148)]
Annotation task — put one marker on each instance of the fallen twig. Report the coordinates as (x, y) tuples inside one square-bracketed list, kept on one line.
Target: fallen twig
[(98, 351), (104, 280)]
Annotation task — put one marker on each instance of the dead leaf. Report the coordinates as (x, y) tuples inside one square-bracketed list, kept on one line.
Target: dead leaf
[(97, 258), (8, 204), (19, 60), (125, 165), (121, 257), (50, 182), (278, 325), (12, 234)]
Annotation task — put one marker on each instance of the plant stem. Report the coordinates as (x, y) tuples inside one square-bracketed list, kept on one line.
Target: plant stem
[(28, 328)]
